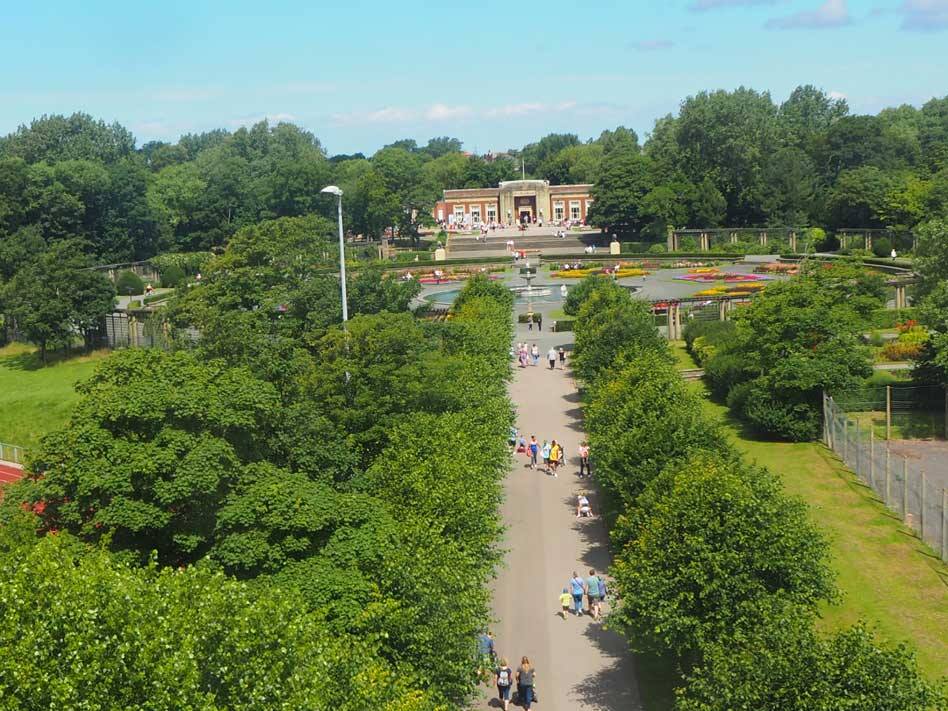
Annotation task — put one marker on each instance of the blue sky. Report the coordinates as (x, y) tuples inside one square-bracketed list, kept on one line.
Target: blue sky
[(495, 74)]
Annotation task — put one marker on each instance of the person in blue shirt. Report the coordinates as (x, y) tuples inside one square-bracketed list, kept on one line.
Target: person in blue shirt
[(577, 587)]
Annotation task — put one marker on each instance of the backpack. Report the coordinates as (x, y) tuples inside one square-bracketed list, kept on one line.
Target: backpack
[(503, 677)]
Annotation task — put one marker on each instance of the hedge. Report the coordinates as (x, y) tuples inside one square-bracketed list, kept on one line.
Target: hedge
[(709, 551)]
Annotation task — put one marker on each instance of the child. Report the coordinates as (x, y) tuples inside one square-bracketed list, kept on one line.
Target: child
[(565, 601), (522, 445)]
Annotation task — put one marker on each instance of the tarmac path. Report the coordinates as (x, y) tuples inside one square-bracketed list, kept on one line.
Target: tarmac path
[(579, 665)]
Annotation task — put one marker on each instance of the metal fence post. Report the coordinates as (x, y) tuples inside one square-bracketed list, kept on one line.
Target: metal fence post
[(858, 448), (888, 412), (921, 513), (872, 458), (888, 475), (904, 489), (845, 439)]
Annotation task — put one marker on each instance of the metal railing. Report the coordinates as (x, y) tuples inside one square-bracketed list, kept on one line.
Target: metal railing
[(12, 453), (919, 497)]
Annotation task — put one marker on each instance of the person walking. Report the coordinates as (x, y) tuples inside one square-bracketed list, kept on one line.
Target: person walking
[(556, 456), (584, 460), (534, 449), (565, 601), (593, 593), (529, 322), (526, 678), (536, 354), (577, 588), (562, 354), (539, 322), (551, 356), (504, 680), (545, 454)]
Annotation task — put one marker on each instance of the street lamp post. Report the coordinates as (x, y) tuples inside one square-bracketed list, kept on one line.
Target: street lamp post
[(333, 190)]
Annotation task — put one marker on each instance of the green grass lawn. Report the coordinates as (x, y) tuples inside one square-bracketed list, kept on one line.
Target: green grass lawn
[(35, 399), (886, 575), (683, 359)]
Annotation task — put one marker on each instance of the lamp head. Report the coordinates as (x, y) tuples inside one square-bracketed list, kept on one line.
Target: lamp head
[(332, 190)]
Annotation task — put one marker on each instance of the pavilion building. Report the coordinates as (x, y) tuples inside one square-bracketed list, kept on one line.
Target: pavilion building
[(514, 201)]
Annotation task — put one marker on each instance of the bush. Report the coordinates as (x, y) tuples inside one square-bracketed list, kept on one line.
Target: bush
[(577, 295), (790, 416), (723, 371), (564, 324), (898, 351), (188, 262), (129, 284), (786, 665), (718, 542), (882, 247), (172, 276), (889, 318)]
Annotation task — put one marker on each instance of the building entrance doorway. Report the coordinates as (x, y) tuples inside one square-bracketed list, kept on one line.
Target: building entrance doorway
[(526, 208)]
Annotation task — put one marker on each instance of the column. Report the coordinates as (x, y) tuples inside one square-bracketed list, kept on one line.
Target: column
[(734, 238), (868, 241), (671, 239), (793, 241), (722, 310), (763, 238)]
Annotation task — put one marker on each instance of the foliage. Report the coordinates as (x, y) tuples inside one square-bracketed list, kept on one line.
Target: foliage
[(105, 635), (172, 276), (796, 340), (784, 664), (578, 294), (189, 262), (721, 520), (128, 283), (611, 322), (54, 296)]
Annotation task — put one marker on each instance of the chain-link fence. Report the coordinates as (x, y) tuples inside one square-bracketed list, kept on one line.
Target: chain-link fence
[(911, 477)]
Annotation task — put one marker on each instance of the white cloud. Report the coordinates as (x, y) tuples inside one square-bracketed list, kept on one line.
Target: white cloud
[(832, 13), (837, 95), (924, 15), (441, 112), (702, 5), (651, 45)]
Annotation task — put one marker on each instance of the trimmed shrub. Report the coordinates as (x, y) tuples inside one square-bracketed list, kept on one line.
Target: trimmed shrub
[(723, 371), (172, 276), (129, 284)]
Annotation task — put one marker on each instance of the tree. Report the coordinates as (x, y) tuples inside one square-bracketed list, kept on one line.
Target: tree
[(152, 449), (402, 174), (56, 138), (442, 145), (807, 114), (105, 634), (624, 181), (728, 137), (716, 544), (612, 323), (784, 664), (534, 154), (858, 198)]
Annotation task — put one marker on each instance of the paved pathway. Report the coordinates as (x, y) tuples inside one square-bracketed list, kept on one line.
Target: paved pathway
[(579, 665)]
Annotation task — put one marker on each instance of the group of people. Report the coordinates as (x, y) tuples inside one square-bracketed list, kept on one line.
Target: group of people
[(592, 588), (530, 355), (504, 677), (549, 453)]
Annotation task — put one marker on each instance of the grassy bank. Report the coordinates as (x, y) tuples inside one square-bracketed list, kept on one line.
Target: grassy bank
[(886, 575), (35, 399)]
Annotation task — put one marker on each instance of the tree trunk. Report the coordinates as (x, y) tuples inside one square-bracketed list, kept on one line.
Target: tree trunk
[(43, 351)]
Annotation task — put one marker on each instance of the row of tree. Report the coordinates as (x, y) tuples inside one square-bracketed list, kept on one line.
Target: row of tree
[(731, 158), (716, 568), (282, 459)]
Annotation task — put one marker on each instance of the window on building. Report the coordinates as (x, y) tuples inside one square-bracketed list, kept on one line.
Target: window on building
[(475, 214), (459, 213), (558, 210), (492, 213), (440, 214), (574, 213)]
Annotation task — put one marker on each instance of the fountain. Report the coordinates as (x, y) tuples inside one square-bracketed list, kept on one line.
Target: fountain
[(528, 274)]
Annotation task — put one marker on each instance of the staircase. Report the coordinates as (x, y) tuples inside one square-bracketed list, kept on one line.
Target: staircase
[(534, 239)]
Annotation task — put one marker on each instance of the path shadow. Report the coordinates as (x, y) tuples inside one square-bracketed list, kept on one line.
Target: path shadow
[(613, 688)]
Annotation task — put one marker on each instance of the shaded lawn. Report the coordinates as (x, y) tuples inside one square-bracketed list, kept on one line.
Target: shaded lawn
[(683, 359), (35, 399), (886, 575)]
